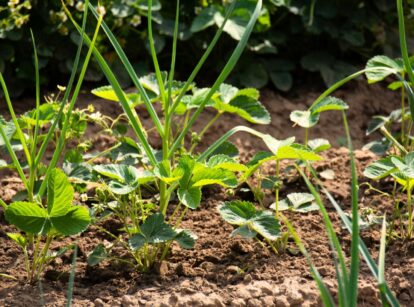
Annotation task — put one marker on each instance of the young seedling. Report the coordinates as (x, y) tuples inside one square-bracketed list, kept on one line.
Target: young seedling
[(402, 171), (245, 215), (59, 217), (251, 222), (279, 150), (397, 68), (309, 118), (297, 202)]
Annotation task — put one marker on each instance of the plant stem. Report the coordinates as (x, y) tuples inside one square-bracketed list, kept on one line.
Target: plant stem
[(102, 153), (388, 135), (403, 114), (277, 188), (177, 224), (41, 261), (34, 260), (306, 136), (174, 212), (206, 127), (3, 204), (19, 131), (410, 211)]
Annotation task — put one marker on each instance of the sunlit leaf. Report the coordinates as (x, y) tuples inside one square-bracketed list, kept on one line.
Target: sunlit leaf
[(384, 66), (304, 119)]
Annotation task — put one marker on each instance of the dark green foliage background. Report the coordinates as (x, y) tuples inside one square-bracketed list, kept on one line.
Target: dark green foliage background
[(329, 42)]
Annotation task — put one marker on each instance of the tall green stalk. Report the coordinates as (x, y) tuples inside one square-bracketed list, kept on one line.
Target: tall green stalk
[(66, 124), (404, 49)]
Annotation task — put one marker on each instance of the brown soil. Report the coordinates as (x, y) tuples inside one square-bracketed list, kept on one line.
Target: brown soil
[(220, 270)]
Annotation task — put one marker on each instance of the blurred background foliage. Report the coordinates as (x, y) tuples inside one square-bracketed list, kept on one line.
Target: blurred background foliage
[(320, 39)]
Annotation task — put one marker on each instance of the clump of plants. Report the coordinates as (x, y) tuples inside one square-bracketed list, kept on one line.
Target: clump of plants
[(46, 222), (177, 173), (396, 145), (45, 211)]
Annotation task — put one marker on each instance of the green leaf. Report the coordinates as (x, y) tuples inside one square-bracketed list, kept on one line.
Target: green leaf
[(253, 74), (406, 166), (59, 194), (185, 238), (244, 231), (149, 82), (226, 148), (242, 102), (269, 182), (304, 119), (265, 224), (127, 150), (227, 92), (282, 80), (237, 212), (121, 10), (376, 123), (79, 172), (298, 202), (244, 214), (9, 130), (137, 241), (18, 238), (186, 164), (380, 169), (297, 151), (393, 86), (203, 175), (47, 112), (121, 188), (319, 145), (154, 230), (143, 5), (98, 254), (227, 163), (299, 199), (74, 222), (108, 93), (261, 155), (28, 217), (246, 107), (384, 66), (105, 92), (190, 197), (235, 25), (329, 104), (274, 144), (204, 19), (317, 61), (119, 172)]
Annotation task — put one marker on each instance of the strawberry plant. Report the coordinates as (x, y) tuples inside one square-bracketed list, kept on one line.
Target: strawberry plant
[(279, 150), (46, 222), (251, 223), (309, 118), (402, 171), (397, 147)]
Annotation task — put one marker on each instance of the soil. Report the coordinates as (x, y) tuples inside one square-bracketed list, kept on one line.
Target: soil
[(220, 270)]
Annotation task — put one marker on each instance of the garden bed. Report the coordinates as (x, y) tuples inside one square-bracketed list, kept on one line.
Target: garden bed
[(220, 270)]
